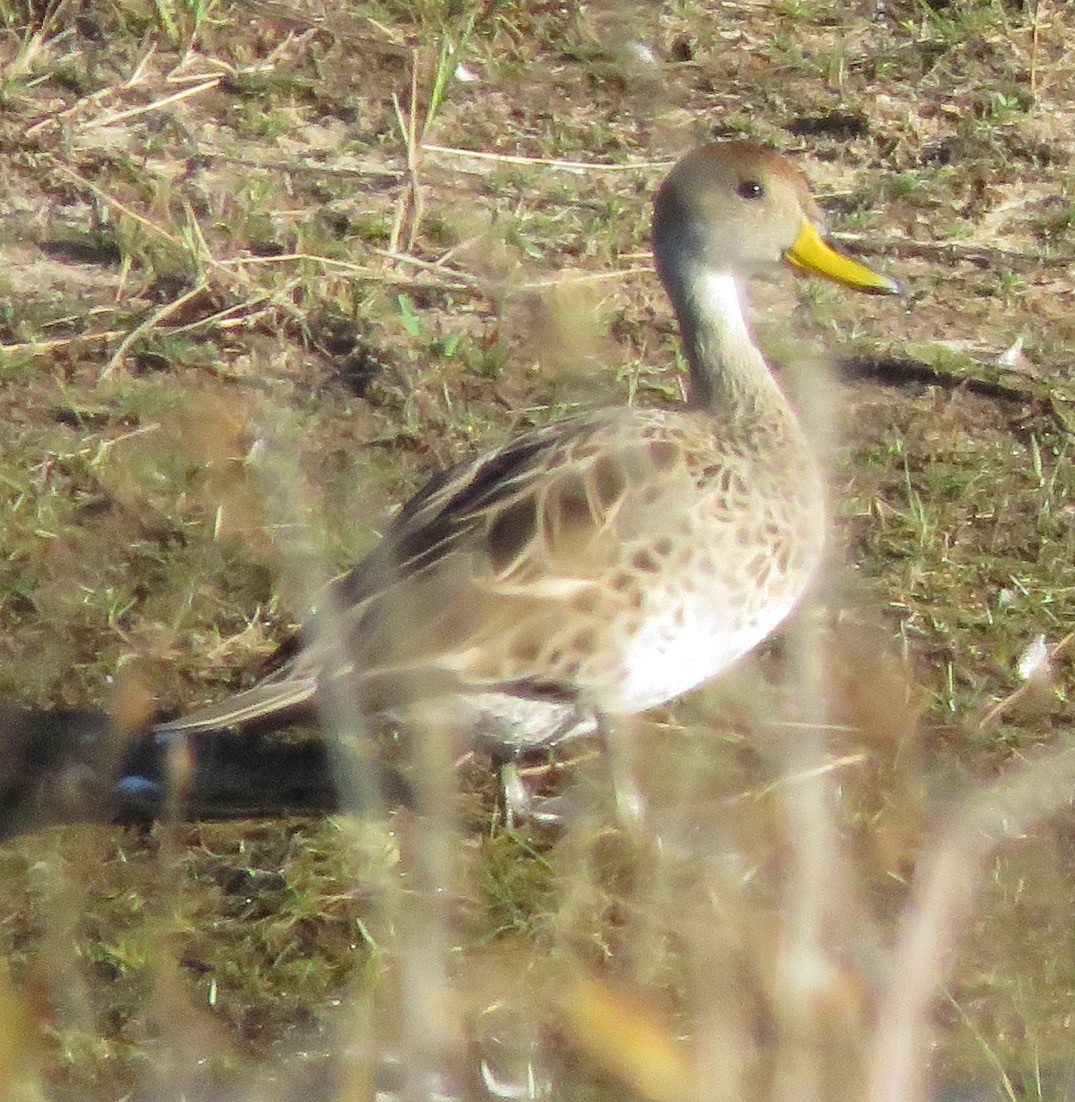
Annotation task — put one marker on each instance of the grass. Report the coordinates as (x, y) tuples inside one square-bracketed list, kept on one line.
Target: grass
[(228, 243)]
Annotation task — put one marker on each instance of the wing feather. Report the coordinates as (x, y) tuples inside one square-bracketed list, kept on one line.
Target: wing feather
[(482, 558), (267, 698), (453, 504)]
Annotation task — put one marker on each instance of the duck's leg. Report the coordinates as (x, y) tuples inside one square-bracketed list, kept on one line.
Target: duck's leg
[(618, 745), (507, 747), (518, 802), (515, 798)]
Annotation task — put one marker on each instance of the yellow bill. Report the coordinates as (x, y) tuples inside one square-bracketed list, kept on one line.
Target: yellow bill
[(811, 253)]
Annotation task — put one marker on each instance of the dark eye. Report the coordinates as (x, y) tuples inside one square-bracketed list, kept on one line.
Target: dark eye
[(750, 189)]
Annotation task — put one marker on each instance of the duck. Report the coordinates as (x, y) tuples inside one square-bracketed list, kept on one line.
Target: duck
[(606, 563)]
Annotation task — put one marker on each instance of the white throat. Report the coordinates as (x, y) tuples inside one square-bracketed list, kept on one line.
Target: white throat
[(718, 297), (728, 369)]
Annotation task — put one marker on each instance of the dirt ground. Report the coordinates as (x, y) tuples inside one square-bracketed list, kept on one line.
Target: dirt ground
[(268, 266)]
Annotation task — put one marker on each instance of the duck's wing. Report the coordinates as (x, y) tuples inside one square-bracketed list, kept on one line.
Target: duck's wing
[(453, 506), (507, 569), (437, 518), (451, 590)]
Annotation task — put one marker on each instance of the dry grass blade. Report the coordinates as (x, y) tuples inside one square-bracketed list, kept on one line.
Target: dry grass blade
[(461, 282), (148, 108), (409, 206), (147, 326), (544, 162), (1037, 680), (949, 875), (629, 1038)]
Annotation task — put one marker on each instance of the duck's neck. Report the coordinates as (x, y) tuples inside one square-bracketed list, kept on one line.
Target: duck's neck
[(727, 371)]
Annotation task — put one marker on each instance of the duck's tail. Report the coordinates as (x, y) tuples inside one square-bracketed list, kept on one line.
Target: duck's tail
[(267, 704)]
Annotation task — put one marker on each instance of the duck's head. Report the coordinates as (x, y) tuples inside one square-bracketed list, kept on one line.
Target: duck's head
[(740, 208)]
